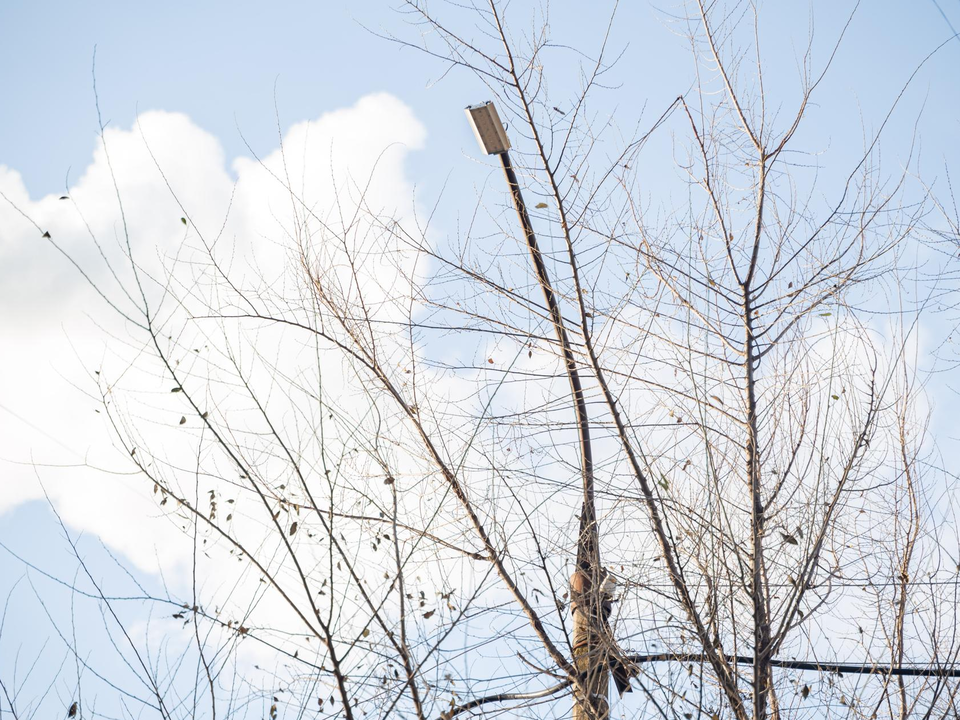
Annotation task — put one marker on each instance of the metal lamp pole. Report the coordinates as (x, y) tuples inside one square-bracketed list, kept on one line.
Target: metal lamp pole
[(589, 593)]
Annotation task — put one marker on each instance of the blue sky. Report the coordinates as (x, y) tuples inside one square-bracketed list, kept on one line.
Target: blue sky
[(219, 62), (225, 65)]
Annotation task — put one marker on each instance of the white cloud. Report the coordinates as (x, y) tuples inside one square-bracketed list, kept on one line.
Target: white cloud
[(56, 331)]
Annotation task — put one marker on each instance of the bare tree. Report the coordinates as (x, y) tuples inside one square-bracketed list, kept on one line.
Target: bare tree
[(727, 508)]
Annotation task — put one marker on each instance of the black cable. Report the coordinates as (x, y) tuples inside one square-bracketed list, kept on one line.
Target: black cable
[(840, 668)]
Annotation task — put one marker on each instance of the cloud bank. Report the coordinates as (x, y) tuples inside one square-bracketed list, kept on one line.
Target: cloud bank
[(58, 332)]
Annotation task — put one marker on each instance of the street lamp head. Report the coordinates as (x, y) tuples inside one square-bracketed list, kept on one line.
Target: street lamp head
[(488, 128)]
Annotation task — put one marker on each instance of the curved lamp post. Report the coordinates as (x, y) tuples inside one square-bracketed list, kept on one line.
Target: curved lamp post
[(590, 586)]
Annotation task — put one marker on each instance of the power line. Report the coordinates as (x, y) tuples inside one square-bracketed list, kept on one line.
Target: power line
[(839, 668), (945, 18)]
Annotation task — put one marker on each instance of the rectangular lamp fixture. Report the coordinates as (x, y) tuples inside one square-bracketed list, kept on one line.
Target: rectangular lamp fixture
[(488, 128)]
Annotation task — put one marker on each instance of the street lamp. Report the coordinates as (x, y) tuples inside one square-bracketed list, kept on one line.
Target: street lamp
[(589, 586), (494, 141), (488, 128)]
